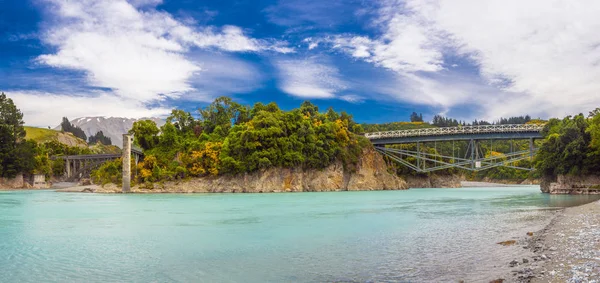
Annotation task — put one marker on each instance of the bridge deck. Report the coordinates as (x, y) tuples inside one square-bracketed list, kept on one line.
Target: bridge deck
[(524, 131), (89, 156)]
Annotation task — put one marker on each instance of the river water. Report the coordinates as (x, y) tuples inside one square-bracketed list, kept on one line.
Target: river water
[(417, 235)]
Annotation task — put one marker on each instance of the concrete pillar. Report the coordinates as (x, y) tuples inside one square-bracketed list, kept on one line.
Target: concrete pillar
[(80, 170), (472, 153), (418, 156), (68, 167), (531, 152), (126, 163)]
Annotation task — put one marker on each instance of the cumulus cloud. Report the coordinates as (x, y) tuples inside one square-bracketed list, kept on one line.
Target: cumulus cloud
[(541, 56), (309, 78), (139, 54), (142, 54), (407, 42)]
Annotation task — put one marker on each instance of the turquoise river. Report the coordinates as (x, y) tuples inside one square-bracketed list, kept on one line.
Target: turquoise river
[(418, 235)]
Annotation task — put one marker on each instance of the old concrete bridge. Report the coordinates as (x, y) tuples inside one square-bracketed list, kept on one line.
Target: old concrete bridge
[(406, 146), (80, 166)]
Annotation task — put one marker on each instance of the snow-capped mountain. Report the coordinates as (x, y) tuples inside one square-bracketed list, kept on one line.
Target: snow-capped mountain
[(113, 127)]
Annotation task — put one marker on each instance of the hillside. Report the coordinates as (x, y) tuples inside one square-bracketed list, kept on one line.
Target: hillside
[(42, 135)]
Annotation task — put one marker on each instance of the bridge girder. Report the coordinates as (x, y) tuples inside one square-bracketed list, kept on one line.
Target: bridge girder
[(458, 137), (472, 134)]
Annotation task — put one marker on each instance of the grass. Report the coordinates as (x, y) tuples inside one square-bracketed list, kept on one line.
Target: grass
[(41, 135)]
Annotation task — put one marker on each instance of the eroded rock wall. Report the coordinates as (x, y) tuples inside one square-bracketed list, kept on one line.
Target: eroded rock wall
[(14, 183), (434, 181), (371, 174), (576, 185)]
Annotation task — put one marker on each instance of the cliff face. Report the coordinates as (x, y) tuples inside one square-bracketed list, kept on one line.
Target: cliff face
[(434, 181), (577, 185), (14, 183), (371, 174), (20, 182)]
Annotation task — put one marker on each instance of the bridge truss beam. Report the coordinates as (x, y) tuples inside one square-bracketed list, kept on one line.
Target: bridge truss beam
[(474, 158)]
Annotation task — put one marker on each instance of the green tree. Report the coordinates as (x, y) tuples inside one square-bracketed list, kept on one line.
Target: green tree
[(12, 143), (414, 117), (66, 126), (566, 147), (182, 120), (223, 113), (99, 137), (145, 133)]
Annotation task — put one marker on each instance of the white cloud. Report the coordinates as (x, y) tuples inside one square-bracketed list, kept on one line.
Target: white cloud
[(308, 78), (141, 55), (232, 38), (47, 109), (407, 44), (352, 98), (542, 57), (546, 50), (144, 56)]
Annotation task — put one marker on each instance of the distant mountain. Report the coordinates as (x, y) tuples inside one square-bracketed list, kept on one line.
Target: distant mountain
[(112, 127)]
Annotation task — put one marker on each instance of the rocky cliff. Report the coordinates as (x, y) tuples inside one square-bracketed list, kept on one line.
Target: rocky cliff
[(37, 181), (371, 174), (576, 185), (14, 183), (434, 181)]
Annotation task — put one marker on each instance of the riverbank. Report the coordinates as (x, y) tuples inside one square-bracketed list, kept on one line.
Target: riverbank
[(566, 250), (475, 184)]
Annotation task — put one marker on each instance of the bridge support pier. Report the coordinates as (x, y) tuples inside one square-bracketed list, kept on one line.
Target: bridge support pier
[(68, 167), (418, 156), (126, 163)]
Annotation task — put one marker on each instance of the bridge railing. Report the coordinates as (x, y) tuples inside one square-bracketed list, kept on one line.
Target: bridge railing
[(511, 128)]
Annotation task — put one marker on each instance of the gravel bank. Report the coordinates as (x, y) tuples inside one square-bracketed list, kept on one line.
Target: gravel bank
[(567, 250)]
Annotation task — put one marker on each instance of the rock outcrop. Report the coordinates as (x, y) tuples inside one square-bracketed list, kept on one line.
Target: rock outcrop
[(15, 183), (371, 174), (575, 185), (37, 181), (434, 181)]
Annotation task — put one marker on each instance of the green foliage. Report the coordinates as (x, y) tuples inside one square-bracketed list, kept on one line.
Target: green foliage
[(16, 155), (109, 172), (66, 126), (414, 117), (570, 146), (100, 138), (31, 155), (441, 121), (223, 113), (395, 126), (145, 133), (229, 138)]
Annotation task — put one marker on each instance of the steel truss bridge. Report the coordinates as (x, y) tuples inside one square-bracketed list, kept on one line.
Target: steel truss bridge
[(406, 146)]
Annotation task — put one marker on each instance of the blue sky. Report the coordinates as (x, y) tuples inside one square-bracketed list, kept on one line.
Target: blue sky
[(378, 60)]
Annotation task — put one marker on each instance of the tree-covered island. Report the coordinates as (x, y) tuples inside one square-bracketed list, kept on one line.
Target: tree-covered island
[(228, 138)]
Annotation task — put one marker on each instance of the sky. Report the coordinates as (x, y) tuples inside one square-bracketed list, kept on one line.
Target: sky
[(379, 60)]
